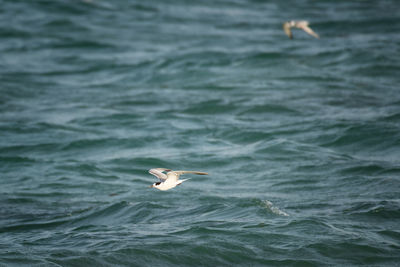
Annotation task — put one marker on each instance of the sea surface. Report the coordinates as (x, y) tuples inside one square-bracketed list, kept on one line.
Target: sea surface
[(301, 138)]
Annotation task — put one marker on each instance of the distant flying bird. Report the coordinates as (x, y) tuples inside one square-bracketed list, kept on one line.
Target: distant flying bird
[(170, 178), (301, 24)]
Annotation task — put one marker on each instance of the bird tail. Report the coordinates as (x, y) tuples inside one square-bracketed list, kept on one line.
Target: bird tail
[(181, 181)]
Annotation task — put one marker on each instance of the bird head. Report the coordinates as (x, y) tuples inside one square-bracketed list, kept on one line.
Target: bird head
[(155, 185)]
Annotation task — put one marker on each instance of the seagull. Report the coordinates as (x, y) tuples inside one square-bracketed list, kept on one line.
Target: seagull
[(301, 24), (170, 179)]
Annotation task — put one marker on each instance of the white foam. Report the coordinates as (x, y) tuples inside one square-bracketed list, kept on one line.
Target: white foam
[(274, 209)]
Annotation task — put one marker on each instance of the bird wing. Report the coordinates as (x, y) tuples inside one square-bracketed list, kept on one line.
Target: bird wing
[(286, 28), (158, 172), (310, 31), (174, 175)]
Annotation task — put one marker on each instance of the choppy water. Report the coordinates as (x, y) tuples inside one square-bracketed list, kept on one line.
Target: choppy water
[(301, 137)]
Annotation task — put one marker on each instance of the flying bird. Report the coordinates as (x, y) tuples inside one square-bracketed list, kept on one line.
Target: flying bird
[(301, 24), (169, 178)]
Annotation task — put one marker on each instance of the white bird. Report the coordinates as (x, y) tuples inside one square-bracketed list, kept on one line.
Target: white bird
[(170, 178), (301, 24)]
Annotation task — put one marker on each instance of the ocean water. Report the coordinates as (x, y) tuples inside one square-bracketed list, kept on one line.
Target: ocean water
[(301, 138)]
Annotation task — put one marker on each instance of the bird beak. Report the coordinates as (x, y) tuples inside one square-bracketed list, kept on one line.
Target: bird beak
[(151, 186)]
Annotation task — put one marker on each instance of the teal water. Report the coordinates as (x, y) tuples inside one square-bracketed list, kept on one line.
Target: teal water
[(301, 138)]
